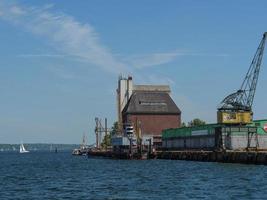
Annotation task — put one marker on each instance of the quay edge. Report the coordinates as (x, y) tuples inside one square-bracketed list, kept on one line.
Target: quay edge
[(242, 157)]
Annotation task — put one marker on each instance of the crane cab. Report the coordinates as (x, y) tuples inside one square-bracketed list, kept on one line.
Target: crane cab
[(234, 117)]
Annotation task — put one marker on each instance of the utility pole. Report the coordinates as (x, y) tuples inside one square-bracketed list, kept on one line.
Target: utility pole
[(106, 132), (96, 132)]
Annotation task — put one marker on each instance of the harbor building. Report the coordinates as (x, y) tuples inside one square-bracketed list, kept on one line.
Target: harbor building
[(149, 109), (152, 112)]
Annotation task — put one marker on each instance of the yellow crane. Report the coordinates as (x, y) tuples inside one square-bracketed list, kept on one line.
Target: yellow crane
[(236, 108)]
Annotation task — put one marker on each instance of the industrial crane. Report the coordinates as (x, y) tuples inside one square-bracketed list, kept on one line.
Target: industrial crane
[(236, 108)]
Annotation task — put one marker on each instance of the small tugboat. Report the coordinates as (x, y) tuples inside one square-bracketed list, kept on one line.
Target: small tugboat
[(82, 151), (78, 152)]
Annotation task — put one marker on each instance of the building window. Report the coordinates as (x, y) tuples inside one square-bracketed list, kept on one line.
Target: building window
[(147, 103)]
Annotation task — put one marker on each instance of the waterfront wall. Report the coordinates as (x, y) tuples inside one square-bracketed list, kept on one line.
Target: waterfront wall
[(243, 157)]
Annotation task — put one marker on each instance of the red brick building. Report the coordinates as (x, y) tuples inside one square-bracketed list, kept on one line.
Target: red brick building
[(152, 112)]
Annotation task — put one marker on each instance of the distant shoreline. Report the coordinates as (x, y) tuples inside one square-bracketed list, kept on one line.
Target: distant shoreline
[(39, 147)]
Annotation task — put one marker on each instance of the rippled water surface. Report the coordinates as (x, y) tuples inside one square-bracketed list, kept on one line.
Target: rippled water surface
[(45, 175)]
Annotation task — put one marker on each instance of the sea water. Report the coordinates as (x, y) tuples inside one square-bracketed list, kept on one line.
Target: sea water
[(47, 175)]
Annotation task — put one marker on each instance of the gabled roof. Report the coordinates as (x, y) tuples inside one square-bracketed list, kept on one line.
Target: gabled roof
[(147, 102)]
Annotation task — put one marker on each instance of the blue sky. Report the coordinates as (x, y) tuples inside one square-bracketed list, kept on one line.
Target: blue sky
[(60, 60)]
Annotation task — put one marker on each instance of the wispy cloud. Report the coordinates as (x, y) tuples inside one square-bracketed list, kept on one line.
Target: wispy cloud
[(41, 55), (80, 41), (155, 59), (68, 36), (140, 61)]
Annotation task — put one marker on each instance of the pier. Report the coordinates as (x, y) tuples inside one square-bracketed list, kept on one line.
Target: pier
[(119, 155), (242, 157)]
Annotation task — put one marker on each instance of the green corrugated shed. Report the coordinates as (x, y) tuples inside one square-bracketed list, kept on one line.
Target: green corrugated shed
[(210, 129), (187, 131)]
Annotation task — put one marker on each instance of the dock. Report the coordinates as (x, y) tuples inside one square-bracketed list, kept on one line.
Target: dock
[(242, 157), (119, 155)]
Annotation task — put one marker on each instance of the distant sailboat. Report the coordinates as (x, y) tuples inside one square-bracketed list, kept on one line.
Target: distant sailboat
[(22, 149)]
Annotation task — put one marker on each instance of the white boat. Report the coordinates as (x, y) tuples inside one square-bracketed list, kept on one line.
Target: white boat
[(22, 149)]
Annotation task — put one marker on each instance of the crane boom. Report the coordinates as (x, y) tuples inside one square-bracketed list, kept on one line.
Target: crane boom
[(250, 83), (241, 101)]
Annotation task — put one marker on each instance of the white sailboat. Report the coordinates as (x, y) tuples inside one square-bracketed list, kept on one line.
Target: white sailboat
[(22, 149)]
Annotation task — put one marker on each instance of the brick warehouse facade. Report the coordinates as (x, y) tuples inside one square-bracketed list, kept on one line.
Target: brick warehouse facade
[(152, 112), (154, 124)]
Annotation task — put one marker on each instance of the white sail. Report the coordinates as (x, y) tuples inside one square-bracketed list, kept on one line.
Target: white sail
[(22, 149)]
